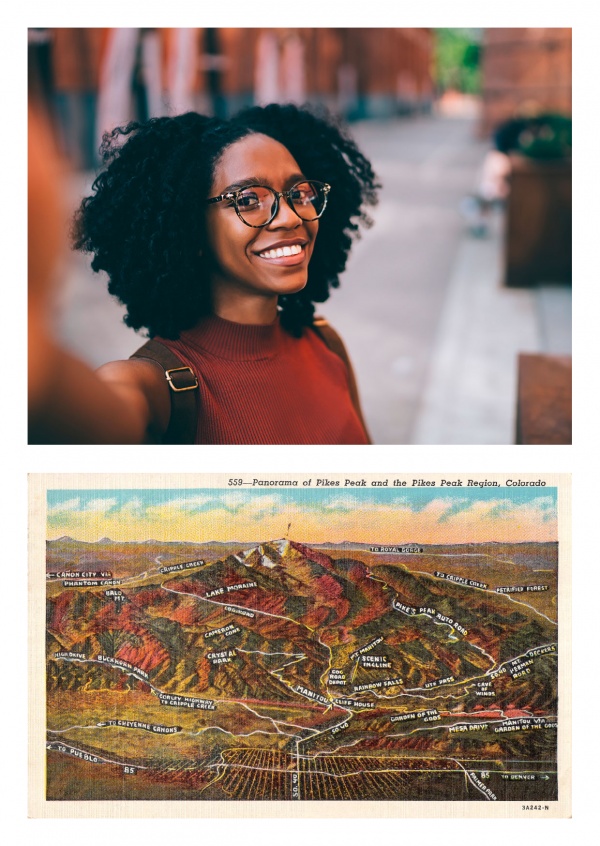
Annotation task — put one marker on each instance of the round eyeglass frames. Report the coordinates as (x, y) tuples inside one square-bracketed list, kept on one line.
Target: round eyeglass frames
[(257, 205)]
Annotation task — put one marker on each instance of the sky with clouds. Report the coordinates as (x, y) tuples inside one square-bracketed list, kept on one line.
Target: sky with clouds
[(385, 515)]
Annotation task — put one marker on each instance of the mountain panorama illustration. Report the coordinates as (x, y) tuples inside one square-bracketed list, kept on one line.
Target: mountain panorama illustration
[(280, 670)]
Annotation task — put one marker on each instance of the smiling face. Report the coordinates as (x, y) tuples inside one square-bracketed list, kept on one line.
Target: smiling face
[(252, 267)]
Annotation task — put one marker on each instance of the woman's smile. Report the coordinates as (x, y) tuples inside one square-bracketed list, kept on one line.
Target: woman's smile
[(285, 253)]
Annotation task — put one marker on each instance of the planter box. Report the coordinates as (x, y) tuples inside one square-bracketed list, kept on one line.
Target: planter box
[(538, 224)]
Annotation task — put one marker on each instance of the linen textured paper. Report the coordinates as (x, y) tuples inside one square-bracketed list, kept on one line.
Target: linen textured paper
[(310, 644)]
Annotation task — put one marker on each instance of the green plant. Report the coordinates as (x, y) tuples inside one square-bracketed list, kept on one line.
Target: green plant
[(457, 60)]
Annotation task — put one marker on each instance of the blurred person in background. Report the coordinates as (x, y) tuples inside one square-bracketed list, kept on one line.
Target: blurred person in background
[(219, 237), (531, 132)]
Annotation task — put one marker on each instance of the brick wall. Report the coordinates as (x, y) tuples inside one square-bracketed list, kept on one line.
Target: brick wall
[(524, 70)]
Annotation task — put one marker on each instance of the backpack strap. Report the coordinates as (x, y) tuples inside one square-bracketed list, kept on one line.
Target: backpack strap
[(332, 340), (183, 383)]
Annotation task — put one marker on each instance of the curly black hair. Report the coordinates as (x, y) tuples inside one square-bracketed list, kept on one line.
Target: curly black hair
[(144, 223)]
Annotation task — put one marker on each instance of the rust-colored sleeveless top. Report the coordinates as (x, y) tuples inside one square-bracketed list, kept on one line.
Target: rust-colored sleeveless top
[(260, 385)]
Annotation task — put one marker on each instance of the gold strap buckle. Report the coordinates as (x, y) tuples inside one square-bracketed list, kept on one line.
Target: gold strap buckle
[(173, 386)]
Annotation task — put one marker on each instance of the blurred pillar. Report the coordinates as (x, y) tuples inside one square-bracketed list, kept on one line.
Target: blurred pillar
[(333, 79), (239, 51), (373, 53), (266, 77), (115, 101), (213, 64), (151, 71), (75, 57), (425, 69), (40, 80), (293, 75), (382, 72), (182, 70), (406, 72), (347, 89)]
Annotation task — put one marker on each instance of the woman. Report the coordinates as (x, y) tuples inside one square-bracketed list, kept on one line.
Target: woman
[(219, 237)]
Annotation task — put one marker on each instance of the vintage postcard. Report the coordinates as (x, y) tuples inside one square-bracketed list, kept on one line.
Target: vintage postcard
[(300, 644)]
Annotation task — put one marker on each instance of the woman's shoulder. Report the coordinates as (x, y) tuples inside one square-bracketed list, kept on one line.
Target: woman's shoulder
[(132, 370)]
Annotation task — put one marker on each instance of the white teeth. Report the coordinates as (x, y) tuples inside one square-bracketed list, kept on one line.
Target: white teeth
[(282, 251)]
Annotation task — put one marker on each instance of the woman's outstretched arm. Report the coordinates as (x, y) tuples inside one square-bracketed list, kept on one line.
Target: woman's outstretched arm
[(124, 402)]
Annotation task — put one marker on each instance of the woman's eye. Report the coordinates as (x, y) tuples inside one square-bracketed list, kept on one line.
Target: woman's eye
[(303, 195), (248, 200)]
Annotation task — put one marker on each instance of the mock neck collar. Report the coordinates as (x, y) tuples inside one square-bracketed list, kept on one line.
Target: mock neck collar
[(235, 341)]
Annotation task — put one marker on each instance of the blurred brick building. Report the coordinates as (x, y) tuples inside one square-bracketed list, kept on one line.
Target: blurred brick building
[(524, 71), (96, 79), (357, 72)]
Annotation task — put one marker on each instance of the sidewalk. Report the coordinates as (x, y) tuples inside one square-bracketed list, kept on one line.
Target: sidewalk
[(433, 333), (469, 396)]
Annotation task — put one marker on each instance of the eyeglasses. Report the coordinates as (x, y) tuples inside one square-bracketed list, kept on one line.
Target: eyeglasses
[(257, 205)]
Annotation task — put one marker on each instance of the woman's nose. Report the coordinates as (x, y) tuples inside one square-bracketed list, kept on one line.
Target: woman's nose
[(285, 216)]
